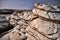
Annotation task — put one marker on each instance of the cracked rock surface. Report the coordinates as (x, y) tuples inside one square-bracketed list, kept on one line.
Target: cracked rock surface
[(41, 23), (20, 22), (46, 26)]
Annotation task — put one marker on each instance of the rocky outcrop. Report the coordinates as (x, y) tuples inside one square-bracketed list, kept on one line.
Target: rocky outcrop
[(47, 25), (21, 22), (42, 23), (47, 11)]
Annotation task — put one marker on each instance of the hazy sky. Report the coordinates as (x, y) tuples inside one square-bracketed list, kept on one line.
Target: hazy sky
[(24, 4)]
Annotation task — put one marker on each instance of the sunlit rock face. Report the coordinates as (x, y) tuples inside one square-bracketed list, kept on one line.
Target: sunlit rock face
[(46, 26), (41, 23), (20, 21), (47, 11)]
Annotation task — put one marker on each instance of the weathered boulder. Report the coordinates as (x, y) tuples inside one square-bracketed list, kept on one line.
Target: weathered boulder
[(47, 11), (47, 25)]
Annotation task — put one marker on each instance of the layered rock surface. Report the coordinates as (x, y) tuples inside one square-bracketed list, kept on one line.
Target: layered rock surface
[(47, 11), (42, 23), (20, 21), (47, 25)]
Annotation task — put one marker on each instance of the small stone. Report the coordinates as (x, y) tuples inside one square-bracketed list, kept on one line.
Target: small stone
[(23, 30)]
